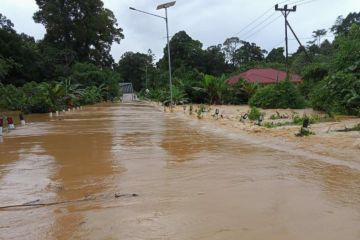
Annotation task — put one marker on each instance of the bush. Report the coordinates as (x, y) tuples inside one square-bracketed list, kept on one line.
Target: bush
[(339, 93), (281, 95), (312, 75), (12, 98), (254, 114), (241, 92), (90, 95)]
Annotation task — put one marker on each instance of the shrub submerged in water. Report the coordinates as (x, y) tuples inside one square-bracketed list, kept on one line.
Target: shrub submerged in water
[(281, 95), (254, 114)]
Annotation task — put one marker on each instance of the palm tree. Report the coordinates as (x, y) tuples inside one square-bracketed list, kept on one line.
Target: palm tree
[(214, 87)]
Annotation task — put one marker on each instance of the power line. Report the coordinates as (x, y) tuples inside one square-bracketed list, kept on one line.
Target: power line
[(261, 23), (278, 44), (258, 18), (278, 17), (307, 2), (295, 2), (248, 33)]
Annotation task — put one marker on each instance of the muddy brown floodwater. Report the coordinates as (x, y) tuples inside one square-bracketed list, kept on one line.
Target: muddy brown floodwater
[(192, 183)]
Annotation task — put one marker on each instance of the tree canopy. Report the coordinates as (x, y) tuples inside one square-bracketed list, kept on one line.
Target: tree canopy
[(84, 27)]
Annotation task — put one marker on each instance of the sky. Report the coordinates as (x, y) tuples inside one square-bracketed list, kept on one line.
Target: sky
[(209, 21)]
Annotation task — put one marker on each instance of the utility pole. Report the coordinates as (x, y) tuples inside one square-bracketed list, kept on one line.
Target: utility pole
[(286, 11)]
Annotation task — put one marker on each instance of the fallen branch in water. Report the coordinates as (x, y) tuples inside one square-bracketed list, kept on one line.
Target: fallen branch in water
[(36, 204)]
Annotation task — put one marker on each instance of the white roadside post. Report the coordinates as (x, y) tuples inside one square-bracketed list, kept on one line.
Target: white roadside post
[(22, 119), (1, 126), (11, 125)]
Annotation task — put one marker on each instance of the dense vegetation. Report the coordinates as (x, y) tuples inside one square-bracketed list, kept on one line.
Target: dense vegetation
[(72, 65)]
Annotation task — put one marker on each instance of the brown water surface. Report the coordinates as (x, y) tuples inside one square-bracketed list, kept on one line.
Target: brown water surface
[(191, 183)]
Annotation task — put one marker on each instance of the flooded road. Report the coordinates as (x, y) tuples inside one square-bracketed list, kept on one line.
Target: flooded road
[(188, 183)]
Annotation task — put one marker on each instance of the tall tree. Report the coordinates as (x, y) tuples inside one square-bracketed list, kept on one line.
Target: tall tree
[(248, 53), (184, 50), (317, 35), (342, 25), (132, 67), (276, 55), (83, 26), (19, 54), (6, 24), (214, 62), (230, 47)]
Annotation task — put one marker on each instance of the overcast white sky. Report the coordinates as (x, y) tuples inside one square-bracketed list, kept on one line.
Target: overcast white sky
[(210, 21)]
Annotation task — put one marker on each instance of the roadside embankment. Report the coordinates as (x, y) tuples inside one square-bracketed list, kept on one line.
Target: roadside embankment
[(331, 137)]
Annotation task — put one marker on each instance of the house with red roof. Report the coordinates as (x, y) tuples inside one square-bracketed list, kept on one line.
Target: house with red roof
[(263, 76)]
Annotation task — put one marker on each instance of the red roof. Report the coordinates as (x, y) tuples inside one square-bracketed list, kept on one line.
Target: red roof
[(263, 76)]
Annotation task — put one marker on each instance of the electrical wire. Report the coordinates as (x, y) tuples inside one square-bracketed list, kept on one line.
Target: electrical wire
[(307, 2), (250, 32), (247, 38), (260, 17), (258, 25)]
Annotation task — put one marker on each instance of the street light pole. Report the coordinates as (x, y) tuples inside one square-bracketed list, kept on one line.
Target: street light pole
[(169, 56), (146, 76), (164, 6)]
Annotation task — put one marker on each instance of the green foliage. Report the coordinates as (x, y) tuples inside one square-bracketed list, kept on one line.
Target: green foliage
[(185, 51), (342, 25), (241, 92), (200, 111), (44, 97), (20, 58), (348, 49), (214, 88), (254, 114), (163, 95), (11, 98), (191, 110), (89, 75), (85, 27), (281, 95), (133, 66), (339, 93), (297, 120), (91, 95), (248, 54), (304, 132), (312, 75), (276, 55), (179, 95)]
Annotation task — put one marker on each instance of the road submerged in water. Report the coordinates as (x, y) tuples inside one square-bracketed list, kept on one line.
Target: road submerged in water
[(132, 172)]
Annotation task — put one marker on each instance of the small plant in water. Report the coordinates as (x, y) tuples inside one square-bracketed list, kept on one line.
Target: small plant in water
[(191, 110), (304, 132), (254, 114), (200, 111)]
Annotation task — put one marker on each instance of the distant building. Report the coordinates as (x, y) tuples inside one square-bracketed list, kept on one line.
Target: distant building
[(127, 90), (263, 76)]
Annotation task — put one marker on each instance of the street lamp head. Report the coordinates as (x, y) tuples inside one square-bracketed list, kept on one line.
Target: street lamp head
[(166, 5), (131, 8)]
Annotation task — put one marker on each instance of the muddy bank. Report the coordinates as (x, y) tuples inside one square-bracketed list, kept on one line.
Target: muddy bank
[(328, 140)]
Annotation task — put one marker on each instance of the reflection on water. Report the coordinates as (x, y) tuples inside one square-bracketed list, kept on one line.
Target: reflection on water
[(192, 184)]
